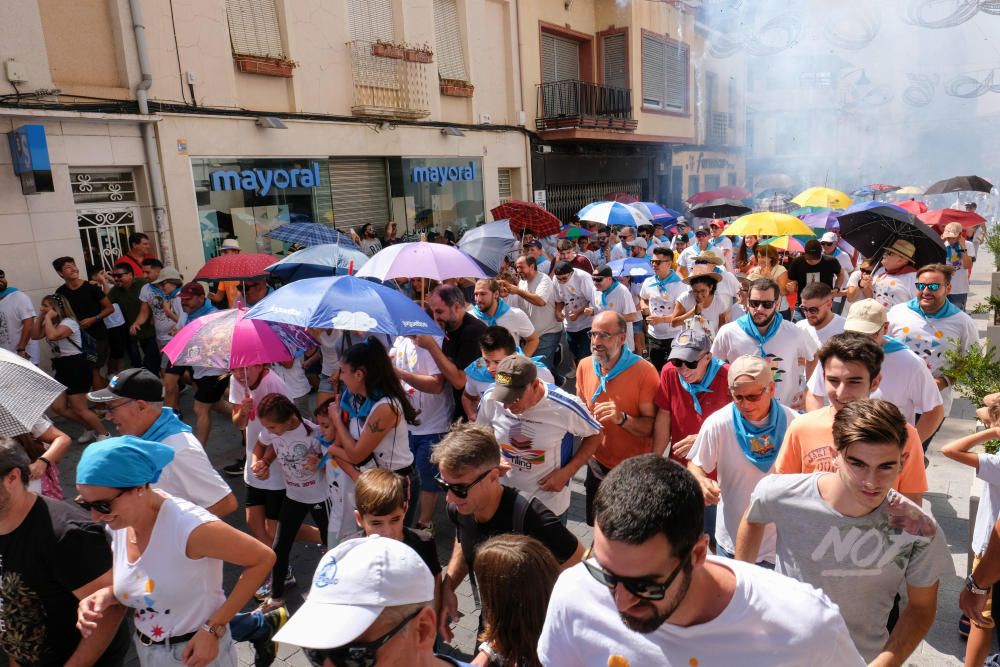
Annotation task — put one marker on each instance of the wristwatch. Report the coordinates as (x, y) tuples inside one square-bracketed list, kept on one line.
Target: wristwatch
[(215, 629), (973, 587)]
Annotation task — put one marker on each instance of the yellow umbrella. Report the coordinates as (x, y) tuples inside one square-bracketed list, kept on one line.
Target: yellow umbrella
[(909, 190), (768, 223), (826, 197)]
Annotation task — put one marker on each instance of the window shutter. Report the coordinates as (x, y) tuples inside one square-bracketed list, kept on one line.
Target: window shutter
[(615, 70), (253, 28), (371, 20), (653, 77), (560, 59), (450, 53), (676, 70), (360, 192)]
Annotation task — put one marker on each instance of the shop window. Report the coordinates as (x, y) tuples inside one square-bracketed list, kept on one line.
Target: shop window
[(106, 214), (665, 73), (450, 52), (503, 181), (713, 181), (254, 29), (441, 194)]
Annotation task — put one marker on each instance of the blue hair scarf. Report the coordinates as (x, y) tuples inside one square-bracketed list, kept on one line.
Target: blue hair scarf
[(760, 445), (502, 308), (124, 462), (749, 328)]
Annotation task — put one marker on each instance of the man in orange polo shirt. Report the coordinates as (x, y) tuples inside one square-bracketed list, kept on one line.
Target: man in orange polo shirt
[(618, 387), (852, 365)]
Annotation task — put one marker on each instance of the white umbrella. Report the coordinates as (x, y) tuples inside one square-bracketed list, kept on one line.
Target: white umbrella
[(25, 393)]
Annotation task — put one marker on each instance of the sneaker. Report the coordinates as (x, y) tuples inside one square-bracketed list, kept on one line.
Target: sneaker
[(86, 437), (266, 649), (235, 469), (264, 591)]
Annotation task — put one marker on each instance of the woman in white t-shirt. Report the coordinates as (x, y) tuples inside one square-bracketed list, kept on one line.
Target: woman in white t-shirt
[(57, 324), (377, 412), (768, 266), (699, 308)]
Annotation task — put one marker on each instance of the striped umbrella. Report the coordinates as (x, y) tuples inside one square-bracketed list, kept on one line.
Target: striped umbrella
[(776, 204)]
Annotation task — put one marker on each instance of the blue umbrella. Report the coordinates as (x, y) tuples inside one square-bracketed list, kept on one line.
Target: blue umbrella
[(658, 214), (310, 233), (631, 267), (316, 261), (612, 213), (347, 303), (488, 244)]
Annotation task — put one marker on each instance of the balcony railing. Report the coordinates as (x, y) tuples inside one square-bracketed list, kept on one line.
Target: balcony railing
[(579, 104), (388, 87), (718, 128)]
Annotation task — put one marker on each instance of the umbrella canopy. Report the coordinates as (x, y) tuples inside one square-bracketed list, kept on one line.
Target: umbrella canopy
[(776, 204), (960, 184), (621, 197), (825, 197), (612, 213), (805, 210), (27, 391), (873, 189), (236, 267), (488, 244), (725, 192), (631, 267), (319, 260), (421, 260), (827, 220), (309, 234), (768, 224), (773, 192), (786, 243), (572, 232), (526, 216), (910, 190), (656, 213), (227, 339), (913, 206), (873, 227), (348, 303), (942, 216), (719, 208)]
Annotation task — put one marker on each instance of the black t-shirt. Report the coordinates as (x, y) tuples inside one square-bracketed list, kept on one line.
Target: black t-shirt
[(54, 551), (420, 541), (86, 302), (804, 273), (539, 522), (462, 347)]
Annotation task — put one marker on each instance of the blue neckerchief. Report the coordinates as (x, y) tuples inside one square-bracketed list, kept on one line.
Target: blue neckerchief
[(502, 308), (166, 425), (205, 309), (477, 369), (836, 251), (159, 290), (606, 292), (627, 359), (349, 403), (951, 254), (9, 290), (761, 445), (662, 283), (947, 310), (890, 345), (701, 387), (749, 328)]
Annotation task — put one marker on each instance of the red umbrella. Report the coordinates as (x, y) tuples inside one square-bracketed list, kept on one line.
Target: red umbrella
[(526, 216), (942, 216), (732, 192), (914, 206), (236, 267), (621, 197)]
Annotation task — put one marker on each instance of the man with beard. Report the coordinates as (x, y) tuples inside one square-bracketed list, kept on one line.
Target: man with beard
[(535, 295), (649, 593), (658, 296), (492, 309), (820, 322)]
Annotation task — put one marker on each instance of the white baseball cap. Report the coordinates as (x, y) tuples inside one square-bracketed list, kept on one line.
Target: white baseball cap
[(353, 583), (828, 237)]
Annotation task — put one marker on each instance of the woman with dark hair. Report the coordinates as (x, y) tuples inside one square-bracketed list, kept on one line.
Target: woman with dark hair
[(377, 413), (745, 258), (515, 575), (698, 308), (769, 266)]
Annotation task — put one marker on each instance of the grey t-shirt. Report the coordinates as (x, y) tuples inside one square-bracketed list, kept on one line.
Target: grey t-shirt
[(860, 563)]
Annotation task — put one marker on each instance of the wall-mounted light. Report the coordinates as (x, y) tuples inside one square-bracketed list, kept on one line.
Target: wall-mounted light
[(270, 123), (452, 132)]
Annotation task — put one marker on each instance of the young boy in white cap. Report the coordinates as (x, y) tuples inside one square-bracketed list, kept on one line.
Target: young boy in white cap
[(959, 255)]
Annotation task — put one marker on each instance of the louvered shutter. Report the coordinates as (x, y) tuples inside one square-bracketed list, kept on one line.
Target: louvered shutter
[(360, 192), (253, 28), (676, 66), (560, 59), (613, 50), (503, 184), (450, 53), (371, 20), (653, 79)]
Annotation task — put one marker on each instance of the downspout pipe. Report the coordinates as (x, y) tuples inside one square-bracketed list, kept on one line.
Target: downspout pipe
[(148, 140)]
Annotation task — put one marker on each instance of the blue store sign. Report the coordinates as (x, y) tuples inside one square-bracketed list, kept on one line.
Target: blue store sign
[(29, 152), (264, 180), (445, 174)]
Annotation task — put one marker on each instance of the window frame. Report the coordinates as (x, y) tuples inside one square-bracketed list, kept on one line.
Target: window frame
[(667, 43)]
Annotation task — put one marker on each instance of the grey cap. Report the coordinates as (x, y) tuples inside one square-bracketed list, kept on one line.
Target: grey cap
[(690, 344)]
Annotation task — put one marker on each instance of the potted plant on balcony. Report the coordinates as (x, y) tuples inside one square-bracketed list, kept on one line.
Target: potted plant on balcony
[(418, 54), (265, 65), (456, 88), (386, 49)]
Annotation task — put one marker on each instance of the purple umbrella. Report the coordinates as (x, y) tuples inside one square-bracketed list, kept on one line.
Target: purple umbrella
[(826, 220), (421, 260)]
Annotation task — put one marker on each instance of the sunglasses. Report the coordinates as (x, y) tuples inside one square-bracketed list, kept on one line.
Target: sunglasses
[(102, 506), (934, 287), (641, 588), (357, 654), (600, 279), (691, 365), (701, 235), (117, 275), (767, 305), (809, 310), (460, 490), (657, 262), (749, 398), (827, 243), (866, 273)]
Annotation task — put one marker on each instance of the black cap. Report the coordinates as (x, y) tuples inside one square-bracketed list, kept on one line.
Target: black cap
[(813, 248), (700, 229), (603, 271), (135, 383), (562, 267)]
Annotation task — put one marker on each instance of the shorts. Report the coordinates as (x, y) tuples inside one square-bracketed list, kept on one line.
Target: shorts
[(211, 389), (117, 341), (75, 372), (988, 609), (271, 499), (103, 352), (325, 386), (637, 326), (421, 446), (170, 368)]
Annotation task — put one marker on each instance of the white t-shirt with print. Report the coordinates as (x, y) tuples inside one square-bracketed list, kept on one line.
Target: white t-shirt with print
[(989, 502), (575, 294), (271, 383), (960, 279), (153, 297), (891, 290), (661, 302), (619, 300), (435, 409), (820, 336), (14, 309), (543, 317), (64, 347), (393, 450), (292, 450), (294, 377)]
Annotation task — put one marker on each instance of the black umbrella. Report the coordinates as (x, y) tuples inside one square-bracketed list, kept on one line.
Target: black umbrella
[(719, 208), (874, 226), (960, 184)]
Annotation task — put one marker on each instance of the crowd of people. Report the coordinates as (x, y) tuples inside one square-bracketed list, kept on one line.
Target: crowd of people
[(751, 431)]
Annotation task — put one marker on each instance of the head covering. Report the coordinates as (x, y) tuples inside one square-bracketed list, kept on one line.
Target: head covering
[(904, 248), (701, 229), (721, 224), (828, 237), (514, 375), (702, 271), (952, 231), (749, 365), (193, 289), (690, 344), (866, 316), (123, 462), (231, 244), (603, 271), (354, 582), (710, 257), (135, 383), (168, 273), (813, 249), (562, 267), (638, 242)]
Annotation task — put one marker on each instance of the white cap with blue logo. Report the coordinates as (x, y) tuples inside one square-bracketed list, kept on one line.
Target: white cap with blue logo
[(353, 583)]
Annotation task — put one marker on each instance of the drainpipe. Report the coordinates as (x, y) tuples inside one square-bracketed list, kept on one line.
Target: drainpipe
[(148, 140)]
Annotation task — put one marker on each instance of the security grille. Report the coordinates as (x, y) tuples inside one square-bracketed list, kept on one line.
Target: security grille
[(360, 192), (102, 187), (103, 215), (503, 180), (254, 29), (565, 199)]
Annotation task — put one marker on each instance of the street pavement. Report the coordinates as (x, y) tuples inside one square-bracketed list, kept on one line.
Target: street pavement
[(951, 486)]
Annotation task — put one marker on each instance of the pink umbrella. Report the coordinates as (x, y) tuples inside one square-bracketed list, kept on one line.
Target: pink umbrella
[(226, 340), (421, 260)]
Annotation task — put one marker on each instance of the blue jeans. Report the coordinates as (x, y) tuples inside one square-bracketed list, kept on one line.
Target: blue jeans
[(547, 346), (579, 344), (421, 446), (248, 627), (719, 551)]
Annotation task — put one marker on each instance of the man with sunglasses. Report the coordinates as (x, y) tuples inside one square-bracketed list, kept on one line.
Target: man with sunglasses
[(371, 603), (650, 593), (574, 297), (682, 234), (480, 507), (685, 262), (611, 295), (812, 266), (51, 557), (819, 322), (851, 534), (126, 292), (657, 298), (763, 332)]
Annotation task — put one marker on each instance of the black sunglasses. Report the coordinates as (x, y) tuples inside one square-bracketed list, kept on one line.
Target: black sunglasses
[(460, 490), (686, 364), (641, 588), (102, 506), (357, 654), (769, 304)]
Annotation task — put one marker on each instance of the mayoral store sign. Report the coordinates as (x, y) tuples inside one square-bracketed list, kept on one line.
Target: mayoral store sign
[(265, 180)]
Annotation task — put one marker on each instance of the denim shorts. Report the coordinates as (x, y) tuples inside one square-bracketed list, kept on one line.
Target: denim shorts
[(421, 446)]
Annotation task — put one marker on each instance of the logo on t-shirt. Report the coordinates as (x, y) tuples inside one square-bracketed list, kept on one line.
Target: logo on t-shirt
[(821, 459), (518, 450), (761, 445)]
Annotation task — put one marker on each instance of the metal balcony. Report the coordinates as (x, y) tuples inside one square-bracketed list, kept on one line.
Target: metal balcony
[(389, 87), (579, 104)]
